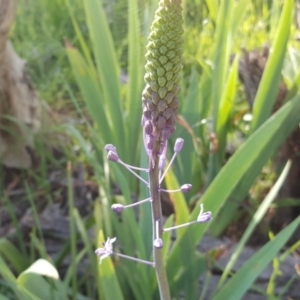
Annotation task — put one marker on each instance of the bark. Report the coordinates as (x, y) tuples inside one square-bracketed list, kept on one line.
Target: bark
[(20, 109)]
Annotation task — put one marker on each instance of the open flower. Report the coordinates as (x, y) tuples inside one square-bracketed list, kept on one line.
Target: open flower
[(204, 217), (107, 249)]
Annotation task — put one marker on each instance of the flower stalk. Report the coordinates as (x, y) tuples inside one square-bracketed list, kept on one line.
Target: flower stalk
[(157, 230)]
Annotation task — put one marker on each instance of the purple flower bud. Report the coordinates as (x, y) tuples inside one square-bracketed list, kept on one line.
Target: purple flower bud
[(118, 208), (162, 105), (143, 121), (110, 147), (204, 217), (161, 122), (162, 162), (147, 114), (148, 127), (178, 145), (150, 142), (169, 130), (113, 156), (168, 113), (158, 243), (163, 147), (186, 187)]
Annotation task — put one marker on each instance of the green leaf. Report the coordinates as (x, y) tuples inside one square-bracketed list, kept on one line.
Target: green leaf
[(107, 66), (91, 93), (236, 287), (134, 87), (191, 108), (6, 272), (37, 286), (212, 6), (79, 35), (88, 246), (2, 297), (268, 87), (257, 217), (221, 54), (239, 14), (13, 255), (225, 108), (188, 278), (188, 258), (220, 68)]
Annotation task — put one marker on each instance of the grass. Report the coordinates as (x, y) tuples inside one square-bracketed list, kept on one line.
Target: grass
[(210, 91), (42, 45)]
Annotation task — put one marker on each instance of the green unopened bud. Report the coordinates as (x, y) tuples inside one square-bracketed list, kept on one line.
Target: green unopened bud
[(169, 75), (168, 67), (163, 92), (160, 71), (163, 67), (161, 81)]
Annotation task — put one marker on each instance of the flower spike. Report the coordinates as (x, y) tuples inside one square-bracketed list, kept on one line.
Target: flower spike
[(163, 66)]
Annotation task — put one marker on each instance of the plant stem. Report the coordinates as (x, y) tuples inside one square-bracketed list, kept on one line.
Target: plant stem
[(157, 216)]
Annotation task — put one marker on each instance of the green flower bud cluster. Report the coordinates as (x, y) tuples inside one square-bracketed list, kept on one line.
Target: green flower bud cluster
[(164, 63)]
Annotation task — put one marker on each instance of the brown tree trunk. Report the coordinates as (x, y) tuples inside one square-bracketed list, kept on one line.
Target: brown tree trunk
[(20, 109)]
